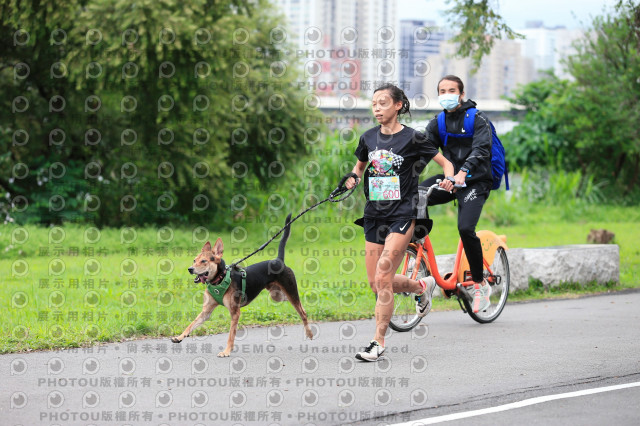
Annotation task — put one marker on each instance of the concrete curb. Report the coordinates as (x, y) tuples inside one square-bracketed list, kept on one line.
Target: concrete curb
[(580, 263)]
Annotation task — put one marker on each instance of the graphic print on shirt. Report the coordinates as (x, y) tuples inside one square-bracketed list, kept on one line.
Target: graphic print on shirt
[(383, 161), (384, 183)]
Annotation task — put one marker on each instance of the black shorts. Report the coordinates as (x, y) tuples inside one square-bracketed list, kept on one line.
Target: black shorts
[(376, 231)]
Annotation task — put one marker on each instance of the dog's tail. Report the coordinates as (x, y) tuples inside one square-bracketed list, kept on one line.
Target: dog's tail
[(283, 240)]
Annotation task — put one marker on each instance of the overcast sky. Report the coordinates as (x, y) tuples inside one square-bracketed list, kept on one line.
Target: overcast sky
[(569, 13)]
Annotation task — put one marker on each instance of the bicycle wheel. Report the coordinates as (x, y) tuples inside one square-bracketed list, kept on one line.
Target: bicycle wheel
[(404, 316), (499, 281)]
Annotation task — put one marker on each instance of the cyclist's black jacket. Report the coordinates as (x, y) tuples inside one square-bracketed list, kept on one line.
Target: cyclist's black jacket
[(471, 153)]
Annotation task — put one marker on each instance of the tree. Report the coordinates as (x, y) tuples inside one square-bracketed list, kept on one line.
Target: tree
[(479, 25), (591, 122), (162, 106), (536, 141), (602, 111), (154, 111), (41, 109)]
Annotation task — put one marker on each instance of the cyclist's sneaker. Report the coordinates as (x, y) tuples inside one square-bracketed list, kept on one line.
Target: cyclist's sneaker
[(423, 304), (481, 295), (372, 353)]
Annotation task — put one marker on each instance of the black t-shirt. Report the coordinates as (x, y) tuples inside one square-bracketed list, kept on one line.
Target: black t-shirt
[(403, 155)]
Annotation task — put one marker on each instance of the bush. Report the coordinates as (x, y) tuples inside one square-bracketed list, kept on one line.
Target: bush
[(588, 124)]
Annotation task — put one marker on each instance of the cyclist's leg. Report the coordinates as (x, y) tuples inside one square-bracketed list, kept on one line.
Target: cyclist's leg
[(431, 180), (470, 203), (395, 247)]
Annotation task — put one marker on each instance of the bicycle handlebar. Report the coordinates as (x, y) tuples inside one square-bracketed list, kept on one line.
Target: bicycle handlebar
[(455, 185), (438, 187)]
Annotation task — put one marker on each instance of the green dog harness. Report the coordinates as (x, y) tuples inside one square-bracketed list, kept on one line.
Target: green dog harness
[(217, 291)]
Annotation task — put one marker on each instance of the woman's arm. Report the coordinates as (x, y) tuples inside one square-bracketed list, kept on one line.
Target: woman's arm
[(446, 165)]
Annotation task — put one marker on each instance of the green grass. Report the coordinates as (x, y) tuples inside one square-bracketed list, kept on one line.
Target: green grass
[(49, 307)]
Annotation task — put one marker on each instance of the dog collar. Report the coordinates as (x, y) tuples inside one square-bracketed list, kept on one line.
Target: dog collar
[(220, 275), (217, 279)]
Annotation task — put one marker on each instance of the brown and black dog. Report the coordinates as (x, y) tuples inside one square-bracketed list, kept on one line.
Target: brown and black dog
[(272, 275)]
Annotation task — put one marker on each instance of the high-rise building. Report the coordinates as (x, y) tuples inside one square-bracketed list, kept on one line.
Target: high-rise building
[(346, 46), (324, 34), (548, 46), (499, 74), (419, 40), (376, 22)]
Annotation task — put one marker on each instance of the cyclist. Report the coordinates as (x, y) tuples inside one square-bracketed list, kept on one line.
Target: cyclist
[(471, 158), (396, 155)]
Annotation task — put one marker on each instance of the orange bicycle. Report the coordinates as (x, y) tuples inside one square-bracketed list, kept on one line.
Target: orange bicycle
[(420, 261)]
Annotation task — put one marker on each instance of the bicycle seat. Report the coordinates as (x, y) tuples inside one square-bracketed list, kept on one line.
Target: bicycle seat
[(423, 227)]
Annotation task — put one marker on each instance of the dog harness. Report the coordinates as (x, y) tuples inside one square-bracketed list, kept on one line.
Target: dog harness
[(217, 291)]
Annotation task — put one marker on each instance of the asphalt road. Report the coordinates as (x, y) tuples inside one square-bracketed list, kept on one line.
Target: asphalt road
[(448, 365)]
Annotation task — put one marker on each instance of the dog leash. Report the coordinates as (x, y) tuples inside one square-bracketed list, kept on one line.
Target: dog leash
[(340, 189)]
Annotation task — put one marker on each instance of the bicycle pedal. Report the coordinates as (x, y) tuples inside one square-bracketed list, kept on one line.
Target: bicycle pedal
[(462, 292)]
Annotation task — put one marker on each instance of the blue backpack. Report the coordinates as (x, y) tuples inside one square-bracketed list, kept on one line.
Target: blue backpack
[(498, 162)]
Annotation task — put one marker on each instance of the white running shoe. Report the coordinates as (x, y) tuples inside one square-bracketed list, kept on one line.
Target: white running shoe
[(481, 294), (423, 301), (372, 353)]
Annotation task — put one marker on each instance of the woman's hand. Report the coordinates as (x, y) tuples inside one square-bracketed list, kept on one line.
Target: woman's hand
[(446, 184), (358, 170), (351, 182)]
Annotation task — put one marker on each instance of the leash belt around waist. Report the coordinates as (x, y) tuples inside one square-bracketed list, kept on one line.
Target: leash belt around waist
[(217, 291)]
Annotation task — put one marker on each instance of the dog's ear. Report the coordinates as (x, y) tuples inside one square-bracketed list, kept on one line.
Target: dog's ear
[(218, 248), (207, 247)]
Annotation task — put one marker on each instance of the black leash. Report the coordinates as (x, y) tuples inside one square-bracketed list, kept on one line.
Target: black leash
[(340, 189)]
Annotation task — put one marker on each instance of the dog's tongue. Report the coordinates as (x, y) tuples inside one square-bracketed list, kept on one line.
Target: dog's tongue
[(202, 278)]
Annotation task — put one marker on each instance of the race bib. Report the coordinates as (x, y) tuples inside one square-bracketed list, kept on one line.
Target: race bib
[(384, 188)]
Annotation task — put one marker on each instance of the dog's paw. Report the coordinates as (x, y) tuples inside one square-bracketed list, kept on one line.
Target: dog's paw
[(176, 340), (224, 354)]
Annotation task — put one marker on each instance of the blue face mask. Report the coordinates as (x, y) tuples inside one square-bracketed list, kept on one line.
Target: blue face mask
[(449, 101)]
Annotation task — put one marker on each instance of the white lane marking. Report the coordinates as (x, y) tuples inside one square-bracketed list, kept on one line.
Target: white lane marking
[(513, 405)]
